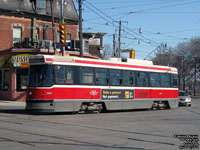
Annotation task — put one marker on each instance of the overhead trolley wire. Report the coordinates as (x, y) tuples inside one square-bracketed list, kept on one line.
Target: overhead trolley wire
[(142, 4), (112, 20), (155, 8)]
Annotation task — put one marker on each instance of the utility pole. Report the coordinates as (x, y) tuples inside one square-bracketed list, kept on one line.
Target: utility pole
[(53, 26), (114, 45), (80, 28), (119, 38), (195, 78), (62, 48)]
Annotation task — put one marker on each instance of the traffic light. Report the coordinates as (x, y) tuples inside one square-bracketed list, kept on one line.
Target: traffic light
[(132, 54), (62, 31)]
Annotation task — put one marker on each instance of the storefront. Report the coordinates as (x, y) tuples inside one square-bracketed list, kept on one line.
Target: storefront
[(14, 66), (14, 76)]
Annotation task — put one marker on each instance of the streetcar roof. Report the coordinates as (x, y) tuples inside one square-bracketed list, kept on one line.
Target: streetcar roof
[(111, 63)]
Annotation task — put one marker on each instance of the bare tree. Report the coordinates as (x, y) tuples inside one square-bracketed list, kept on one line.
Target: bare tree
[(107, 51), (186, 58)]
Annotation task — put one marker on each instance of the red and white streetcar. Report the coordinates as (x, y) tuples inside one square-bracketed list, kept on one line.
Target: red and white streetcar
[(69, 84)]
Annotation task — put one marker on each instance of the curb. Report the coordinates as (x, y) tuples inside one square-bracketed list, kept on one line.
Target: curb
[(11, 103)]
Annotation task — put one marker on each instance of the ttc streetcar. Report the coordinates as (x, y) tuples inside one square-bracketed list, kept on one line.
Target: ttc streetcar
[(69, 84)]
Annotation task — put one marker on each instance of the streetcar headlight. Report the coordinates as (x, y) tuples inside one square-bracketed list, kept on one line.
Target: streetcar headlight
[(30, 93)]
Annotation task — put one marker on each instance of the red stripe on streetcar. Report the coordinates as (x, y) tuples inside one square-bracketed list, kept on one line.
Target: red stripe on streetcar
[(94, 94), (121, 65), (49, 59), (155, 94), (64, 93), (77, 93)]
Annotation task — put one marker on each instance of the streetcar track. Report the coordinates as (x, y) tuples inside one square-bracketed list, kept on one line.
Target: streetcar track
[(82, 143), (89, 127), (112, 130), (21, 142), (67, 140), (19, 123), (148, 141), (194, 112)]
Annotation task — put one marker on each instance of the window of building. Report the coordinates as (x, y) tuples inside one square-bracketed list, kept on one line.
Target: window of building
[(58, 37), (64, 75), (22, 79), (128, 78), (17, 34), (165, 80), (155, 79), (115, 77), (37, 35), (86, 45), (41, 6), (68, 36), (142, 79), (4, 80), (87, 75), (101, 76)]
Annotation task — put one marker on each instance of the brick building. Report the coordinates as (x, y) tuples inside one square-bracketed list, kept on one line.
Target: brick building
[(26, 29)]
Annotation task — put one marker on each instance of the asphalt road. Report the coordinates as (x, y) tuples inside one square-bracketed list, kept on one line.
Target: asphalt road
[(133, 130)]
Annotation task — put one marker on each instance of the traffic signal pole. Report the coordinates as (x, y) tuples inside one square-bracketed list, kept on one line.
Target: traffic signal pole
[(62, 48)]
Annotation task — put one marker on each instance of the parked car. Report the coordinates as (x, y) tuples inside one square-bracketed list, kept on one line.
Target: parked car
[(184, 99)]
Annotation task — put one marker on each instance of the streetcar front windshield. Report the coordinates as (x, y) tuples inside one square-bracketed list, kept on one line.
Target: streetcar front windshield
[(41, 76)]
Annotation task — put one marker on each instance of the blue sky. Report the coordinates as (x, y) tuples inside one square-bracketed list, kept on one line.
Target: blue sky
[(162, 21)]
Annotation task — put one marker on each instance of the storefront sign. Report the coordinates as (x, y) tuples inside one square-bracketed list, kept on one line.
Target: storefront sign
[(113, 94), (21, 60), (3, 60)]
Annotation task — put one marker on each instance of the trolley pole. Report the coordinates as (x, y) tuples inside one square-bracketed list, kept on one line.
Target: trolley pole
[(80, 28), (62, 48)]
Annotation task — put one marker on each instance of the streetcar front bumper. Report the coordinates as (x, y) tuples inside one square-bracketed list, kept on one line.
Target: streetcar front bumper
[(40, 106)]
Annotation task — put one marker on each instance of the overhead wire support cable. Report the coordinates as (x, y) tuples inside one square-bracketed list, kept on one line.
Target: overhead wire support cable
[(115, 25)]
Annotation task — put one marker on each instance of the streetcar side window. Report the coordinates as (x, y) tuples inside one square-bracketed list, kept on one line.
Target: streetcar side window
[(115, 77), (174, 80), (142, 79), (165, 80), (101, 76), (128, 78), (64, 75), (155, 79), (87, 75)]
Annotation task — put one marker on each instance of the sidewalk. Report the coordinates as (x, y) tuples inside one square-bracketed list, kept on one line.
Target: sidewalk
[(11, 103), (195, 96)]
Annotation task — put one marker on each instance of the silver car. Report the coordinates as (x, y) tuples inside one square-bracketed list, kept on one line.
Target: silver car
[(184, 99)]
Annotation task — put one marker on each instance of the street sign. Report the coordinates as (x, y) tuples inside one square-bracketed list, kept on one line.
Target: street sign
[(189, 57)]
